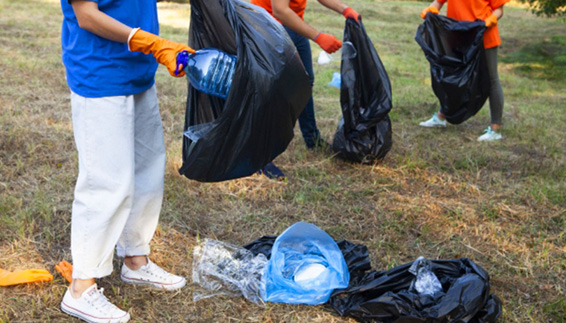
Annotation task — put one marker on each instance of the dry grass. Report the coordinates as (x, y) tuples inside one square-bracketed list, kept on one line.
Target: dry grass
[(438, 193)]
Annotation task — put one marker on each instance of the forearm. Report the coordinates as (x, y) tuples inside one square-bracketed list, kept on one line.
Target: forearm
[(291, 20), (437, 4), (498, 12), (335, 5), (90, 18)]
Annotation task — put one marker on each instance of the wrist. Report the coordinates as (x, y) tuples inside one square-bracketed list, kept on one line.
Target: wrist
[(132, 32), (315, 37), (491, 20)]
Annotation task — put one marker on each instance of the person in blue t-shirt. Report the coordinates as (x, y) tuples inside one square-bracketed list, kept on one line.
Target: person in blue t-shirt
[(121, 151)]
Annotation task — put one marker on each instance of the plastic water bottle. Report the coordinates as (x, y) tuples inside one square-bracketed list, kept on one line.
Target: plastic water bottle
[(209, 70)]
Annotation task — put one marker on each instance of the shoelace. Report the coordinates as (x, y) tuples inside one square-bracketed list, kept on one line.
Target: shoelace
[(156, 271), (488, 130), (100, 302)]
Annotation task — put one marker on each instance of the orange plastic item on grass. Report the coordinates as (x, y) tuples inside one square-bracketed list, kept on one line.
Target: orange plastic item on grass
[(66, 270), (9, 278)]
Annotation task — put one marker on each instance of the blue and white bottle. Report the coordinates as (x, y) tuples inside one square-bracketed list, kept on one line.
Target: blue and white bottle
[(209, 70)]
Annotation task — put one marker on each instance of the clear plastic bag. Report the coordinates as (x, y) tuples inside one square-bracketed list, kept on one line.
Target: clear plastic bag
[(336, 80), (426, 282), (348, 51), (224, 269), (306, 265)]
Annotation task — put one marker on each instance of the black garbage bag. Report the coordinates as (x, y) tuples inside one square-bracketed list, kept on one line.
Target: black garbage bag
[(364, 132), (236, 137), (458, 67), (355, 255), (390, 296)]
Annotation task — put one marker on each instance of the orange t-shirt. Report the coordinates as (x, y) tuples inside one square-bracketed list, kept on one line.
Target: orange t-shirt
[(298, 6), (471, 10)]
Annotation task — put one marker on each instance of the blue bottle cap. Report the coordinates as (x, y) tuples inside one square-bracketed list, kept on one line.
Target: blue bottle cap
[(182, 61)]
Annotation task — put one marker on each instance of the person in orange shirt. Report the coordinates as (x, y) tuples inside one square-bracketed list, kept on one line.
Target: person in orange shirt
[(489, 11), (290, 14)]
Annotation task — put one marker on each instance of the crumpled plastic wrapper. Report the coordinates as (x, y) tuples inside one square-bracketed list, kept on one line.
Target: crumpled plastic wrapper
[(426, 282), (221, 268)]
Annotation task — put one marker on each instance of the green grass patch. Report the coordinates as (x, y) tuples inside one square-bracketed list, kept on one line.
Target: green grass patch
[(544, 59), (557, 310)]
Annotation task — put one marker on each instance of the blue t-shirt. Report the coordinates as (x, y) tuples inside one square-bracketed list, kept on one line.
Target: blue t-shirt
[(98, 67)]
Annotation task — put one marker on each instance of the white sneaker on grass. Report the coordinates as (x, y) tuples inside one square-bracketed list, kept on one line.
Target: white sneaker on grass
[(93, 307), (490, 135), (433, 122), (153, 275)]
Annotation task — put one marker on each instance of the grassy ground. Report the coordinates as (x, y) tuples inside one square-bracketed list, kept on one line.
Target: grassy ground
[(438, 193)]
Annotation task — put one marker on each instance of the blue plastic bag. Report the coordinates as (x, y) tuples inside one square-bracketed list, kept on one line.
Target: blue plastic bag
[(306, 265), (336, 80)]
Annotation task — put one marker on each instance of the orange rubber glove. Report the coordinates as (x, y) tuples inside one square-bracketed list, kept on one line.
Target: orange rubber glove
[(426, 10), (491, 21), (351, 13), (8, 278), (164, 51), (328, 42), (66, 270)]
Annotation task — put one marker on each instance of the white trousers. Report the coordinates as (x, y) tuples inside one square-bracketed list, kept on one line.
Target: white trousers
[(119, 189)]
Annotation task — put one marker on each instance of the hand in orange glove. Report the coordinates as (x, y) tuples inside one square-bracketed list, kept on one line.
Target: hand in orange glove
[(8, 278), (329, 43), (351, 13), (426, 10), (164, 51), (491, 21), (66, 270)]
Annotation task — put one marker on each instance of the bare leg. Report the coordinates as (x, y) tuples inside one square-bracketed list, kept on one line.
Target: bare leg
[(135, 262), (78, 286)]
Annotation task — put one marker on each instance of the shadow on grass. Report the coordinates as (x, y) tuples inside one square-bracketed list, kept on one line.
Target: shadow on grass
[(542, 59)]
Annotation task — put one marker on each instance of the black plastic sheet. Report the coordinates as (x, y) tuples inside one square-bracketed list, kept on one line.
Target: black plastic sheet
[(458, 68), (364, 132), (386, 296), (239, 135)]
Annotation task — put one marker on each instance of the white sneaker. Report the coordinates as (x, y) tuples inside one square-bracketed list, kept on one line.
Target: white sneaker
[(153, 275), (490, 135), (433, 122), (93, 307)]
